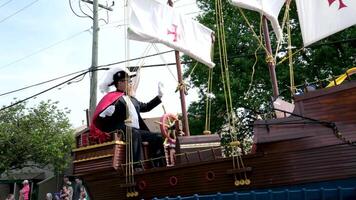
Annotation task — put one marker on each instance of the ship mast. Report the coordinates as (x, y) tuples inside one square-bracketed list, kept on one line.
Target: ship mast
[(271, 63), (181, 89)]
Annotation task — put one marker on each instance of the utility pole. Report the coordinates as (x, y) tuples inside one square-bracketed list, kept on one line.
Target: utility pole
[(94, 61), (94, 58)]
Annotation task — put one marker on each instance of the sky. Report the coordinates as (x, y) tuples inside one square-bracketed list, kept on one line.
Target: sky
[(42, 40)]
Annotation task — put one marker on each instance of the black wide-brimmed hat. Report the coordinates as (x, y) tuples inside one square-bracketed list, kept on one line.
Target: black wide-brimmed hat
[(113, 76)]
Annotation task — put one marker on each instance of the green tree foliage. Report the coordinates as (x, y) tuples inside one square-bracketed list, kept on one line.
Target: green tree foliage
[(38, 136), (330, 57)]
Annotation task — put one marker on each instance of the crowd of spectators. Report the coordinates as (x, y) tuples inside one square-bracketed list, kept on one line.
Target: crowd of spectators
[(69, 191)]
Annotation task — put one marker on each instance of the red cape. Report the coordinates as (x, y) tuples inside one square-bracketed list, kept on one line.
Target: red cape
[(95, 133)]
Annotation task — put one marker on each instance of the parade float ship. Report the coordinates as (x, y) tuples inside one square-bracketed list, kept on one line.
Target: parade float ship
[(314, 145), (308, 151)]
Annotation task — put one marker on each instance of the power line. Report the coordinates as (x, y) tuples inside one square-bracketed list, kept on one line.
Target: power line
[(41, 83), (15, 13), (157, 65), (120, 62), (100, 67), (61, 41), (71, 8), (64, 82), (80, 7), (4, 4), (332, 42), (46, 90), (43, 49), (48, 47)]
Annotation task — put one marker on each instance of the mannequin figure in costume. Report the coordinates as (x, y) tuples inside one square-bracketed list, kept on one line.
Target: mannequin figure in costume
[(117, 106)]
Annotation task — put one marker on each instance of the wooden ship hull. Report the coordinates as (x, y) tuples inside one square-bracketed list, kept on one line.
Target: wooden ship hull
[(313, 145)]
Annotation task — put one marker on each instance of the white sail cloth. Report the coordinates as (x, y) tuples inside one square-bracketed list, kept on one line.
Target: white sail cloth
[(268, 8), (321, 18), (152, 21)]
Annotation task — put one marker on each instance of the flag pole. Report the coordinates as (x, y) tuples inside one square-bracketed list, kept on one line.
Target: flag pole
[(270, 60), (181, 89)]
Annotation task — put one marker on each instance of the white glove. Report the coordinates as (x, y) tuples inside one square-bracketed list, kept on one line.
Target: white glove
[(160, 89), (108, 111)]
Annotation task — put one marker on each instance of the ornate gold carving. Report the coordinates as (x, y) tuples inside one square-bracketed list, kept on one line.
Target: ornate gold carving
[(99, 145), (93, 158)]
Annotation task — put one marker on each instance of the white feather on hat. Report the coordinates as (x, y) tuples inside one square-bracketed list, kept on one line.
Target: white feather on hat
[(109, 79)]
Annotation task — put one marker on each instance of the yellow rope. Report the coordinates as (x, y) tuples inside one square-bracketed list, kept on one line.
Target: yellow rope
[(285, 19), (317, 81), (211, 85), (290, 53), (251, 28), (256, 60), (220, 26), (226, 83), (219, 22), (191, 72), (227, 75), (285, 58), (269, 59), (208, 97), (128, 169), (269, 56), (208, 101)]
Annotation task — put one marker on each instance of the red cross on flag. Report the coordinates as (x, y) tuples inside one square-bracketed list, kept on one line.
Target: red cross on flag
[(152, 21), (269, 8), (321, 18)]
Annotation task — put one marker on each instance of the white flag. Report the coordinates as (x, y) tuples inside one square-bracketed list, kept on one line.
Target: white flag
[(152, 21), (268, 8), (321, 18)]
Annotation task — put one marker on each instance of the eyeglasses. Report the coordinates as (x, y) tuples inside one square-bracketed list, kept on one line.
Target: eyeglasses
[(124, 80)]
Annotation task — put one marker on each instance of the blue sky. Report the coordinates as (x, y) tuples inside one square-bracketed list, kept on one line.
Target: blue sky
[(26, 59)]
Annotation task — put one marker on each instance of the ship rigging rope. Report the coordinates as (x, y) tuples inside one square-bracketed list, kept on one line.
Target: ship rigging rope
[(223, 57), (164, 61), (270, 58), (191, 72), (130, 179), (284, 23), (180, 86), (220, 34), (327, 124), (209, 96), (256, 60), (236, 156), (140, 63), (319, 81), (287, 57), (251, 28), (290, 53)]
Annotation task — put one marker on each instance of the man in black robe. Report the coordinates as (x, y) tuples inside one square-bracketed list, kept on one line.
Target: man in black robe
[(122, 112)]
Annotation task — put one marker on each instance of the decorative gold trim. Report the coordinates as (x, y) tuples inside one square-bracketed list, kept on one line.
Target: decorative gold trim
[(99, 145), (93, 158), (200, 145)]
